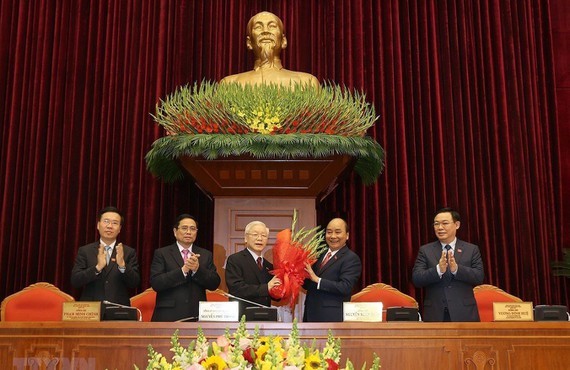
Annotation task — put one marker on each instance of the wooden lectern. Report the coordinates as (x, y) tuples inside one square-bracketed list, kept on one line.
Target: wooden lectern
[(245, 189)]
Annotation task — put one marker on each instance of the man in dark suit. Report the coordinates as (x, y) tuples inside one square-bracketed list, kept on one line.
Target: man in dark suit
[(180, 274), (448, 269), (105, 269), (332, 276), (247, 272)]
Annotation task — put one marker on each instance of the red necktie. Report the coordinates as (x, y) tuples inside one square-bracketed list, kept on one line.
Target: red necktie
[(185, 253), (327, 258), (259, 264)]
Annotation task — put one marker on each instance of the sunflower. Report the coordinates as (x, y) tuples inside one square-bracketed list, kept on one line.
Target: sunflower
[(313, 361), (214, 363)]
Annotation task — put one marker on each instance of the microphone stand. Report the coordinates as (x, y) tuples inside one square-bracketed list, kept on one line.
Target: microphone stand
[(113, 304), (245, 300)]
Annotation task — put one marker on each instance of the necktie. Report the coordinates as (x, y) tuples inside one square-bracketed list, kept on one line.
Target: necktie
[(259, 263), (447, 248), (107, 253), (185, 254), (327, 258)]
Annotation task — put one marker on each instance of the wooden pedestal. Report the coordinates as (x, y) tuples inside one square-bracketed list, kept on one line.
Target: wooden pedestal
[(245, 189)]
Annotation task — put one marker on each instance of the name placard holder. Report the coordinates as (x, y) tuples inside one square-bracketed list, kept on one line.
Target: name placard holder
[(218, 311), (512, 311), (362, 311), (81, 311)]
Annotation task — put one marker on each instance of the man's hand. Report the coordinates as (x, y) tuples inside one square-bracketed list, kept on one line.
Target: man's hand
[(443, 262), (275, 281), (101, 258), (311, 273), (120, 255), (452, 262), (192, 264)]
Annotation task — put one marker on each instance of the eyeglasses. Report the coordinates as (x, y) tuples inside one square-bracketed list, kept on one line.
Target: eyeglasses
[(255, 235), (108, 222), (185, 229), (443, 223)]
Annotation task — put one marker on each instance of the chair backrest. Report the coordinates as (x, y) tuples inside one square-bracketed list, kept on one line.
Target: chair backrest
[(37, 302), (388, 295), (145, 302), (485, 295), (217, 295)]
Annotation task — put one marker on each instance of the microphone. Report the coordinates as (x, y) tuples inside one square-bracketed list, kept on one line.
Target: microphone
[(244, 300), (188, 319), (113, 304)]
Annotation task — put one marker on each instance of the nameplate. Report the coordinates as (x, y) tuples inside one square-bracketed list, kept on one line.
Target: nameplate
[(512, 311), (81, 311), (362, 311), (218, 311)]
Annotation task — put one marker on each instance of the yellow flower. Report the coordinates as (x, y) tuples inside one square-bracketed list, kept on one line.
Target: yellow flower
[(262, 350), (214, 363), (313, 361)]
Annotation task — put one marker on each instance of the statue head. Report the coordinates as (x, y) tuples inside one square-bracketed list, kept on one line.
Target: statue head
[(265, 36)]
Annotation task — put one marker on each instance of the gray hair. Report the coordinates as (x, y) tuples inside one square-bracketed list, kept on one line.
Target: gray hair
[(254, 223)]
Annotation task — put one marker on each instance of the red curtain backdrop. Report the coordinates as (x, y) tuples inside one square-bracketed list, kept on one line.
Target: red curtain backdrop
[(464, 89)]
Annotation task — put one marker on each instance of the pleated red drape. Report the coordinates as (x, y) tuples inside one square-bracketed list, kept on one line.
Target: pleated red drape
[(464, 90)]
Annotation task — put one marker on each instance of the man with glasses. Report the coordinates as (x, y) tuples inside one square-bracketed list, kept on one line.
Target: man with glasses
[(180, 274), (448, 269), (247, 272), (105, 269)]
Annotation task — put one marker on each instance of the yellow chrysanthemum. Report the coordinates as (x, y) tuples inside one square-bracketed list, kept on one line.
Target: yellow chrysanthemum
[(313, 361), (214, 363)]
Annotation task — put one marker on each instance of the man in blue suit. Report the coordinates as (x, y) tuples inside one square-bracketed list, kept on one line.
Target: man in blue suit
[(180, 274), (332, 276), (448, 269)]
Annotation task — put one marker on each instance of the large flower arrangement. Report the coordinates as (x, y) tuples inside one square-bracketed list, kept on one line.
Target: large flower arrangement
[(241, 350), (213, 120), (292, 250)]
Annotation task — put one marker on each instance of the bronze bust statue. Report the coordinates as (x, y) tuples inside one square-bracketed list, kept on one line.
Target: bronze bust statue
[(266, 38)]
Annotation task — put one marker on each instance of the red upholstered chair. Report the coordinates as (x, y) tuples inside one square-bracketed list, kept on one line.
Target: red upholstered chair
[(216, 296), (388, 295), (37, 302), (485, 295), (145, 302)]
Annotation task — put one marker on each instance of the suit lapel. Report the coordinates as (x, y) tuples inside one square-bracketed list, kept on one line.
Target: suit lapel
[(436, 250), (175, 254), (458, 251), (337, 256), (252, 265)]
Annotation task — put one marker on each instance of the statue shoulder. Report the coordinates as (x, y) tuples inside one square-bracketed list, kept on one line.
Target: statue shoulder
[(238, 77), (304, 78)]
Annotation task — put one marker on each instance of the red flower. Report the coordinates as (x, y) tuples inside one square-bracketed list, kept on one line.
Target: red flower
[(249, 355), (332, 365)]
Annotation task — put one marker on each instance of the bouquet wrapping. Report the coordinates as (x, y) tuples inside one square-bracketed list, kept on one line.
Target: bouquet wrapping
[(292, 250)]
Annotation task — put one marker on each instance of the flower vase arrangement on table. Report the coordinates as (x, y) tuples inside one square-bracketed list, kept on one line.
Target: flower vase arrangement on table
[(240, 350), (211, 120)]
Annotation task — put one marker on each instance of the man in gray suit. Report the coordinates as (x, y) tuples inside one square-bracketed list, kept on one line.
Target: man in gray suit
[(448, 269), (180, 274)]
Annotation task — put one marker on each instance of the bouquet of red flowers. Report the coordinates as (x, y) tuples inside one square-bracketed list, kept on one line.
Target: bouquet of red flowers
[(291, 251)]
